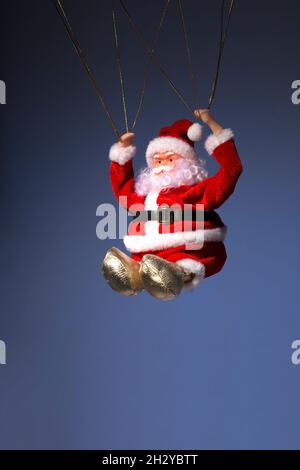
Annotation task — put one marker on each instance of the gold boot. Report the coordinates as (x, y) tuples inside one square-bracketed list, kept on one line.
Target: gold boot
[(162, 279), (121, 272)]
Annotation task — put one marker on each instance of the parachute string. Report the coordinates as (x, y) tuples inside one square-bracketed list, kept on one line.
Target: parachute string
[(148, 49), (61, 11), (223, 37), (151, 51), (189, 55), (119, 63), (147, 69)]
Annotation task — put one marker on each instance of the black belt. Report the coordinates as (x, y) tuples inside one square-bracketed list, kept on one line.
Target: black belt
[(166, 215)]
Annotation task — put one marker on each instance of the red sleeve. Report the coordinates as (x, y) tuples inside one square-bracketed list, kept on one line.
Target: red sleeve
[(122, 175), (213, 191), (218, 188), (122, 181)]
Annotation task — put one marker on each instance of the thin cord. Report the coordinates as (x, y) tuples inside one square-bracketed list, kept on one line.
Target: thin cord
[(189, 55), (147, 69), (154, 58), (119, 62), (60, 9), (215, 80), (223, 37)]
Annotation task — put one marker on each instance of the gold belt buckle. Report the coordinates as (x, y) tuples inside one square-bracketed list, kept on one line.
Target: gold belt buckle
[(165, 215)]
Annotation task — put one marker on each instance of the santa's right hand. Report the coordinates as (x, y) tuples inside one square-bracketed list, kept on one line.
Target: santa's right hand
[(127, 139)]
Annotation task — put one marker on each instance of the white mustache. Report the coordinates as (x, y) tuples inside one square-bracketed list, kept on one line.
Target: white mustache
[(161, 168)]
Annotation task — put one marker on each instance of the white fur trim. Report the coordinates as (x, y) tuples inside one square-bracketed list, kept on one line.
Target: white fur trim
[(151, 201), (165, 144), (194, 267), (160, 241), (194, 132), (214, 140), (120, 154), (152, 226)]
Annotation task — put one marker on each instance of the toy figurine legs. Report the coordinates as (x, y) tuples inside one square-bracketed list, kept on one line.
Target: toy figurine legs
[(163, 274), (162, 279)]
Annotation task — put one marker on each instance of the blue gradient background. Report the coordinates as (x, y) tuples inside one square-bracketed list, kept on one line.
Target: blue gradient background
[(87, 368)]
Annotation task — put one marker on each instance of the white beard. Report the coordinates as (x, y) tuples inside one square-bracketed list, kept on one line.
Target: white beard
[(186, 172)]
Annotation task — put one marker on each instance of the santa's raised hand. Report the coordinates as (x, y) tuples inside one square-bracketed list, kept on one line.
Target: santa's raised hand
[(205, 116), (126, 139)]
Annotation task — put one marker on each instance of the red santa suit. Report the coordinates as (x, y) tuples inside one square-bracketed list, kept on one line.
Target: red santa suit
[(196, 246)]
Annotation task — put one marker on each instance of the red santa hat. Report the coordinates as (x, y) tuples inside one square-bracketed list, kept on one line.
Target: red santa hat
[(178, 138)]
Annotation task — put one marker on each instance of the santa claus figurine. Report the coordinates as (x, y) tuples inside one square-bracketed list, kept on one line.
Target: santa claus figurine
[(177, 238)]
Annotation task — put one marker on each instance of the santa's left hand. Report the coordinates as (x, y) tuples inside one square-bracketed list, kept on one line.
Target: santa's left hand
[(203, 114), (206, 117)]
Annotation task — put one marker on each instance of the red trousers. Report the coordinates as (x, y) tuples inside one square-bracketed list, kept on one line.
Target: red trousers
[(212, 255)]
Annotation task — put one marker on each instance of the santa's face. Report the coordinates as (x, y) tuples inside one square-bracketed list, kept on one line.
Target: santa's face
[(170, 170), (164, 162)]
